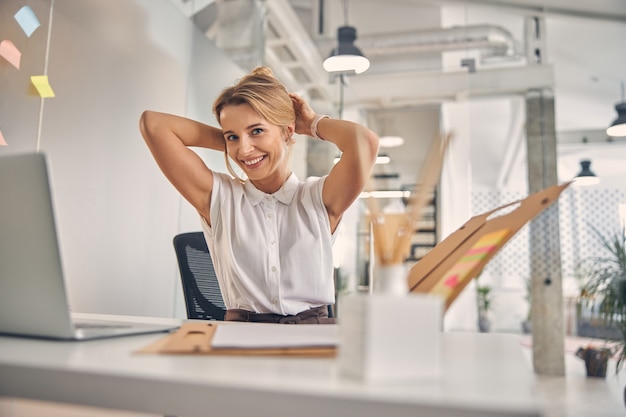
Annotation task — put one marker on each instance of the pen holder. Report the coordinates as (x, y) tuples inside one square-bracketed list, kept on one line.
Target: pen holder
[(387, 337), (390, 279)]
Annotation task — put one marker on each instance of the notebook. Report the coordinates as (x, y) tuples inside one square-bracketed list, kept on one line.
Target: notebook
[(33, 294)]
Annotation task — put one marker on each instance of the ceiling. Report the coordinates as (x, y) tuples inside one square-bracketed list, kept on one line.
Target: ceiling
[(427, 52)]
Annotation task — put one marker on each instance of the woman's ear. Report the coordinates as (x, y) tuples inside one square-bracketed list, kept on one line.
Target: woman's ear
[(289, 131)]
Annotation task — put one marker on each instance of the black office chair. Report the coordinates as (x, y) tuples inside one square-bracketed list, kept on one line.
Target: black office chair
[(203, 298)]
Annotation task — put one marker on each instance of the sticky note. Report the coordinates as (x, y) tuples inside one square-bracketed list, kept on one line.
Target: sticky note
[(27, 20), (2, 141), (42, 85), (463, 269), (9, 52)]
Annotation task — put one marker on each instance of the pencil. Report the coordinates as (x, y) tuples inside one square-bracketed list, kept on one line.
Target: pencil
[(392, 233)]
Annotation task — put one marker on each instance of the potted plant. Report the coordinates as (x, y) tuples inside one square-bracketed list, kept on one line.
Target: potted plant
[(596, 359), (483, 294), (604, 290)]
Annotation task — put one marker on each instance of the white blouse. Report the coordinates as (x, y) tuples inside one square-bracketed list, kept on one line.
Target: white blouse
[(272, 253)]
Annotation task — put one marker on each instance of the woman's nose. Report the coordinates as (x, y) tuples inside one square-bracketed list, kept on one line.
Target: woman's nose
[(245, 144)]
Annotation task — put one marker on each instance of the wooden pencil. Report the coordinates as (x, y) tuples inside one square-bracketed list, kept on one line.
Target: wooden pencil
[(392, 233)]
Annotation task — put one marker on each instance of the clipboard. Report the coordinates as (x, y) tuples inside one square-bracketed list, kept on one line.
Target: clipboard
[(195, 338), (454, 262)]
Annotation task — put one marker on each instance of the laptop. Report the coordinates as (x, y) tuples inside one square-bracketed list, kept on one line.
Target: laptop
[(33, 294)]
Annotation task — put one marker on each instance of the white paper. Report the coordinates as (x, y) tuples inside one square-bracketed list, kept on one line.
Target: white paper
[(264, 335)]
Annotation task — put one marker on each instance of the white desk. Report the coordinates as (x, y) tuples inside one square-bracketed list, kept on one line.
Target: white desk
[(483, 375)]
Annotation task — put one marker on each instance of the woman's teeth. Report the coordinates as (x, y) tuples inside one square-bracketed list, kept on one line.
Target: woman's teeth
[(253, 161)]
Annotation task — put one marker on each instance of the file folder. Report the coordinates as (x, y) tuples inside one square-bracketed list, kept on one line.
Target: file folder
[(196, 337), (455, 261)]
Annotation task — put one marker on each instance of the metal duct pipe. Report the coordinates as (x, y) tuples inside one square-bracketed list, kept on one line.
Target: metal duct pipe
[(494, 39)]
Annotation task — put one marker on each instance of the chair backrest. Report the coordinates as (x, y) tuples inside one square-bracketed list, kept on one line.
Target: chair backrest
[(203, 298)]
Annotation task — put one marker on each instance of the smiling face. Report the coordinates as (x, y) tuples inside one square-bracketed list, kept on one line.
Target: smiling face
[(259, 148)]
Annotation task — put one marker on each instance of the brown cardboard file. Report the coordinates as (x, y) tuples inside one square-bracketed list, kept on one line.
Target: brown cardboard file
[(428, 275), (195, 337)]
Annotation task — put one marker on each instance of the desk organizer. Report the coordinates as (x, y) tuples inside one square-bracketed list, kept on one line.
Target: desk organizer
[(386, 337)]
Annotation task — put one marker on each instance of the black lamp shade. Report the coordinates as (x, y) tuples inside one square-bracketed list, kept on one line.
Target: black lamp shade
[(346, 56), (586, 176), (618, 127)]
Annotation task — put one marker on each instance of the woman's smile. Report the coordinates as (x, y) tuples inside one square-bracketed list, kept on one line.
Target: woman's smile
[(253, 163)]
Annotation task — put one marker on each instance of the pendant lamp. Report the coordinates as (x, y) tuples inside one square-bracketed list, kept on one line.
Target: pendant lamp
[(586, 176), (618, 127), (346, 57)]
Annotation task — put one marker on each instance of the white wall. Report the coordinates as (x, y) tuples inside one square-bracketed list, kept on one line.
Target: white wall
[(107, 62)]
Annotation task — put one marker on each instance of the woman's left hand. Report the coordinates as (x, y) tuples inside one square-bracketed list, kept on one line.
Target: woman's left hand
[(304, 114)]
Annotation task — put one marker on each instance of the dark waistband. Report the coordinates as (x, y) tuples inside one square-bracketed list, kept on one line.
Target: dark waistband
[(313, 315)]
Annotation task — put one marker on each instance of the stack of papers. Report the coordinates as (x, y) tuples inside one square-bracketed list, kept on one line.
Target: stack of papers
[(263, 336)]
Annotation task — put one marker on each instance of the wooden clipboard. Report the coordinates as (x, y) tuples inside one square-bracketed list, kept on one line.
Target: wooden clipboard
[(194, 338), (452, 263)]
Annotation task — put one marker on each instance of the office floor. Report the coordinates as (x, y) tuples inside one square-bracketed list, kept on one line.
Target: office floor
[(574, 395)]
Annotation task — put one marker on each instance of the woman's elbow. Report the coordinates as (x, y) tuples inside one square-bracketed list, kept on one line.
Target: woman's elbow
[(374, 142), (147, 122)]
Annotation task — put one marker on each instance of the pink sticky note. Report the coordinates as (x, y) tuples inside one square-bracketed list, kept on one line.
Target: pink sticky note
[(2, 141), (9, 52), (452, 281)]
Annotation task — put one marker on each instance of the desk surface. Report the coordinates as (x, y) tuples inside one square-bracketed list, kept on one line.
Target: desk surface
[(483, 375)]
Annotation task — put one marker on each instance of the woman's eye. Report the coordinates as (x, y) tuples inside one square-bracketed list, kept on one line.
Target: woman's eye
[(257, 131), (231, 137)]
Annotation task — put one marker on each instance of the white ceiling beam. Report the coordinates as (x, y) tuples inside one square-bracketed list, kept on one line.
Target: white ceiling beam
[(289, 30), (408, 88), (191, 7)]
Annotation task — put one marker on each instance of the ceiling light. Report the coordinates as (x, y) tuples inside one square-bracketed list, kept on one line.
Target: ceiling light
[(618, 127), (386, 176), (346, 57), (385, 194), (380, 159), (383, 159), (586, 176), (391, 141)]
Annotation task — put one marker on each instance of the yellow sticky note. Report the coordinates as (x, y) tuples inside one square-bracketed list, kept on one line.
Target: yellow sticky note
[(2, 141), (9, 52), (42, 85)]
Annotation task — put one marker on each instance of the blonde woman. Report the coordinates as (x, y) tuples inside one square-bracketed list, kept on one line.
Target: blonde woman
[(270, 235)]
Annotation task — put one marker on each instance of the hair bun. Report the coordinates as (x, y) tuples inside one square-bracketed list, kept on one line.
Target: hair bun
[(265, 71)]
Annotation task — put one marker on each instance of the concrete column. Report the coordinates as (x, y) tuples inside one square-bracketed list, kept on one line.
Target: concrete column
[(545, 251)]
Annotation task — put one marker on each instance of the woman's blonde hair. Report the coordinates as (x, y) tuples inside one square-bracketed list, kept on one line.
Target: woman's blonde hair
[(261, 90), (265, 94)]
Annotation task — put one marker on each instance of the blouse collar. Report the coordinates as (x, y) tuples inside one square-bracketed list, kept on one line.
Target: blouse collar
[(285, 194)]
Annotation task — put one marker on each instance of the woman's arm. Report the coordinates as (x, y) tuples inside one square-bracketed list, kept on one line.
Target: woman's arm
[(169, 137), (359, 148)]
